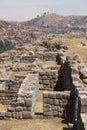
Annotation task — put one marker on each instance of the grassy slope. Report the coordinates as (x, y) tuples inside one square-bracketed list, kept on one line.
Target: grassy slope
[(73, 42), (75, 46)]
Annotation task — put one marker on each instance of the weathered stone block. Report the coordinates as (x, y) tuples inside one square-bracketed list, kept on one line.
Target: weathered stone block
[(53, 95), (20, 103), (45, 77), (60, 114), (50, 113), (47, 82), (47, 105), (56, 102), (66, 96), (11, 109), (26, 115), (58, 96), (85, 81), (19, 108), (83, 99), (74, 70), (2, 114), (30, 94), (45, 94), (45, 99), (51, 101), (13, 115), (20, 115), (17, 115), (55, 113), (75, 78), (8, 114), (24, 108), (29, 108), (28, 102)]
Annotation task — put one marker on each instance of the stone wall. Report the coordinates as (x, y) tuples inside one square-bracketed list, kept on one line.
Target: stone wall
[(81, 122), (23, 106), (27, 58), (47, 79), (75, 73), (9, 90), (55, 103), (47, 56)]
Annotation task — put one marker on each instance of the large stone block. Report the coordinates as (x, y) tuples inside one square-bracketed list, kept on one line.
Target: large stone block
[(51, 101), (14, 115), (45, 77), (75, 78), (83, 99), (20, 115), (17, 115), (56, 102), (74, 70), (45, 94), (55, 113), (47, 105), (45, 100), (2, 114), (85, 81), (11, 109), (47, 82), (28, 102), (46, 109), (50, 113), (8, 114), (26, 115), (29, 108), (18, 109), (60, 114), (20, 103), (83, 109), (59, 96)]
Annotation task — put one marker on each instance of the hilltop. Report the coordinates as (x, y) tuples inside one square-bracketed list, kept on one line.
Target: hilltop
[(54, 22)]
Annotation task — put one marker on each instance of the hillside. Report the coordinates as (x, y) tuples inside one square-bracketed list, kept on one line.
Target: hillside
[(54, 22), (18, 33), (4, 24)]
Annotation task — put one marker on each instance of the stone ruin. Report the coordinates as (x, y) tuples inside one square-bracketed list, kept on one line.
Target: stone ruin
[(64, 86)]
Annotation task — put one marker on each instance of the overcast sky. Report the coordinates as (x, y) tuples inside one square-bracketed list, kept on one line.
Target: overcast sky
[(21, 10)]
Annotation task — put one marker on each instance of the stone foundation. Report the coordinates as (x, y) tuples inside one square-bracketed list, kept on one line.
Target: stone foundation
[(55, 103)]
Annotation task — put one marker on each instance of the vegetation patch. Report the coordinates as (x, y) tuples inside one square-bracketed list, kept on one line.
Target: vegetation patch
[(6, 45)]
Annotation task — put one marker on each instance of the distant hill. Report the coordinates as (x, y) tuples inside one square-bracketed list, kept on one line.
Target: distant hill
[(4, 24), (54, 22), (17, 32)]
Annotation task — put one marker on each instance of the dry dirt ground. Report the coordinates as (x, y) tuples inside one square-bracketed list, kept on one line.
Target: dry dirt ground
[(33, 124)]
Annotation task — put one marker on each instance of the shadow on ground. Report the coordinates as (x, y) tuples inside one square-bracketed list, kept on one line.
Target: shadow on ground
[(67, 128)]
